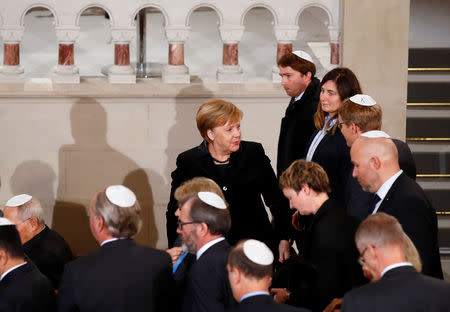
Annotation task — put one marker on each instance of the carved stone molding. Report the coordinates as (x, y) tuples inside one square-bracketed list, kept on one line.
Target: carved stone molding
[(231, 34), (123, 35), (177, 34), (286, 34), (335, 33), (67, 34), (12, 34)]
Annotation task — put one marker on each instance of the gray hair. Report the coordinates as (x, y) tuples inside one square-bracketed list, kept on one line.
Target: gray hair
[(31, 209), (120, 221)]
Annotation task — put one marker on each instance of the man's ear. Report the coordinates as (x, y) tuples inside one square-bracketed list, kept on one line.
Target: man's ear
[(355, 128), (3, 259), (306, 189), (309, 75), (234, 275), (99, 223), (375, 162)]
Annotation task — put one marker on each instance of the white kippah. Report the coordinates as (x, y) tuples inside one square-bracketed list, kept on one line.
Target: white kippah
[(18, 200), (375, 134), (212, 199), (258, 252), (4, 221), (120, 195), (303, 55), (363, 100)]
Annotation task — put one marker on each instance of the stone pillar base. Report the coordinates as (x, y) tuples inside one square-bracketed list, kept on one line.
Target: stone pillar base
[(230, 74), (121, 74), (66, 74), (12, 74), (276, 78), (176, 74)]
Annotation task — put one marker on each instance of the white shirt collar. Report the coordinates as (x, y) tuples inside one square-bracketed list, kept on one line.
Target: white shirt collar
[(13, 268), (254, 293), (395, 265), (110, 240), (384, 189), (207, 245), (299, 96)]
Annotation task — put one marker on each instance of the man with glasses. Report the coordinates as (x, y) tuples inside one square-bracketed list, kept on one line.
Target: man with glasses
[(44, 246), (203, 222), (386, 252)]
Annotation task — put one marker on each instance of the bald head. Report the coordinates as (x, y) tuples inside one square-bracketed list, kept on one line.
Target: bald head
[(375, 160)]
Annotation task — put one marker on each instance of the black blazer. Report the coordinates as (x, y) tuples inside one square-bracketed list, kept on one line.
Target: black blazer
[(297, 126), (26, 289), (330, 250), (121, 276), (265, 303), (405, 158), (400, 289), (407, 202), (49, 252), (208, 288), (248, 176), (333, 155)]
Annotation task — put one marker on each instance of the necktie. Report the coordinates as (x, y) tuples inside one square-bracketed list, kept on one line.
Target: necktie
[(180, 259), (375, 201)]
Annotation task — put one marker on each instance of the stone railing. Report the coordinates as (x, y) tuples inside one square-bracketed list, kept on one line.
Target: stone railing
[(176, 15)]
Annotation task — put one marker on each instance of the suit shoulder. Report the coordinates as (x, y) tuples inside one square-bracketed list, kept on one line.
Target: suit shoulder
[(192, 153)]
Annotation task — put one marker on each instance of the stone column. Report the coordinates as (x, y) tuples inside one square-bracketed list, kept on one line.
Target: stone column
[(66, 71), (176, 71), (11, 71), (334, 44), (285, 35), (230, 71), (122, 71)]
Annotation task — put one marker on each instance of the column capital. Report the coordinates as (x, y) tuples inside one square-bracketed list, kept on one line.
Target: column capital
[(123, 35), (285, 34), (12, 34), (177, 34), (335, 33), (67, 34), (231, 34)]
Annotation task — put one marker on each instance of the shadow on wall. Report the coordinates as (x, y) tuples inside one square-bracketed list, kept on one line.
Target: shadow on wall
[(89, 165), (36, 178)]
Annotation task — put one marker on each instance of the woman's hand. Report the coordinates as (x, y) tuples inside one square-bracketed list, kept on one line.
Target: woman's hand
[(284, 249), (280, 295), (174, 253)]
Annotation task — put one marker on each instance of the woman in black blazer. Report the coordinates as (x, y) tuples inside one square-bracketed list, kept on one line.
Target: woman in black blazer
[(327, 145), (243, 172)]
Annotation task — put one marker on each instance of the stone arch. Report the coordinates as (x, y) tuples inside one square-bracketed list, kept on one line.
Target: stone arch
[(154, 6), (39, 5), (317, 5), (260, 5), (94, 5), (202, 5)]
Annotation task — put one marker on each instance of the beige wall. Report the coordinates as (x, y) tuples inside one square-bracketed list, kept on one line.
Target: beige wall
[(375, 46)]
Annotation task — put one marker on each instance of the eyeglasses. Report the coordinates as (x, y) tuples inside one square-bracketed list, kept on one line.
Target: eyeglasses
[(340, 125), (23, 221), (181, 224), (361, 257)]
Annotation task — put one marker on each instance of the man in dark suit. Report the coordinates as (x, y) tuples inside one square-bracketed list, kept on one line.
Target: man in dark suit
[(377, 170), (22, 286), (357, 115), (297, 72), (44, 246), (204, 220), (250, 274), (397, 286), (122, 275)]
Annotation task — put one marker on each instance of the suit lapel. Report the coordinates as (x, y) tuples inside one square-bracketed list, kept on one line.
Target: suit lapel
[(385, 204)]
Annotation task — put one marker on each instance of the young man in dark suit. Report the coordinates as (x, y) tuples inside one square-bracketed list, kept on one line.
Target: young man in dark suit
[(397, 286), (122, 275), (376, 167), (22, 286), (204, 220), (297, 72), (250, 274)]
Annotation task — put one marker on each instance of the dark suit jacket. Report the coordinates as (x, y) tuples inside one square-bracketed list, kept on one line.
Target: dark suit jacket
[(297, 126), (400, 289), (121, 276), (25, 289), (405, 158), (49, 252), (249, 175), (330, 250), (407, 202), (264, 303), (208, 287), (333, 155)]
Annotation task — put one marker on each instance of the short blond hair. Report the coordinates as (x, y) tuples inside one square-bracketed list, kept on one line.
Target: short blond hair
[(195, 185), (214, 113), (305, 172)]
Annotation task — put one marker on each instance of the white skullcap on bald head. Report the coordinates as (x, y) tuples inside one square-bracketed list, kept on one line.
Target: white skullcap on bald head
[(4, 221), (303, 55), (120, 195), (373, 134), (18, 200), (257, 252), (212, 199)]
